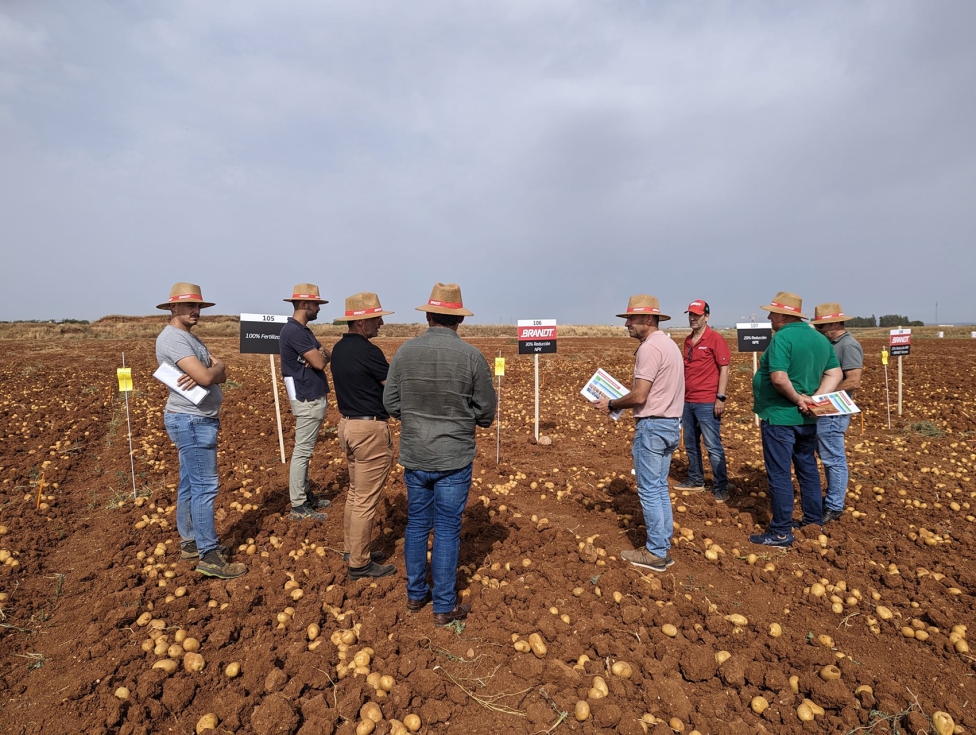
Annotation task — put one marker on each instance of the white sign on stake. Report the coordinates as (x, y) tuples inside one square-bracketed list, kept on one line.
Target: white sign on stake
[(536, 336), (260, 334)]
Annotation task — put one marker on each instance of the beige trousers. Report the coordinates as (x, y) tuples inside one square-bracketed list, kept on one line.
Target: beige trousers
[(369, 451)]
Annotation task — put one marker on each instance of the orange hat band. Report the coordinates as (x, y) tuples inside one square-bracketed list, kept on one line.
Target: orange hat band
[(304, 296), (445, 304), (784, 306), (360, 312), (828, 316), (184, 296), (642, 309)]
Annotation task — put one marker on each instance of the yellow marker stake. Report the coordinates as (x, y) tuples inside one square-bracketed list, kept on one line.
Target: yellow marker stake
[(499, 366), (884, 357), (125, 379)]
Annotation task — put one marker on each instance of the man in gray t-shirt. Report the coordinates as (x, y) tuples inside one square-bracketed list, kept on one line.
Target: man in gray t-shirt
[(193, 429), (829, 320)]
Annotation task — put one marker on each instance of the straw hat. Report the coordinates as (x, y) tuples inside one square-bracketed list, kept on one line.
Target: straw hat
[(184, 293), (828, 313), (364, 305), (786, 303), (643, 304), (445, 298), (306, 292)]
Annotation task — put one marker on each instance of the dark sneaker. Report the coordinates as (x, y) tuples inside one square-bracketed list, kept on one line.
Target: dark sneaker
[(188, 551), (689, 485), (721, 495), (372, 569), (373, 556), (314, 502), (304, 513), (773, 539), (214, 565), (460, 612), (643, 558), (415, 606), (832, 515)]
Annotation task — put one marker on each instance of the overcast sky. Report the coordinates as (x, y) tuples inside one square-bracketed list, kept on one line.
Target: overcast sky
[(552, 157)]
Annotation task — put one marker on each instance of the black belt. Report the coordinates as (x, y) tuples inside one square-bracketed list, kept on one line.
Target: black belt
[(641, 418), (364, 418)]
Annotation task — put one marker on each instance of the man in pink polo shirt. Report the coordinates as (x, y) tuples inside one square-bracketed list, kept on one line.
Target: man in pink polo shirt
[(657, 399), (707, 360)]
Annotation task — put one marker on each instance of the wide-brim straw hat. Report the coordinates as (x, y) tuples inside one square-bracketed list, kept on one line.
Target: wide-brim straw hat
[(786, 303), (445, 298), (828, 313), (184, 293), (644, 304), (363, 305), (306, 292)]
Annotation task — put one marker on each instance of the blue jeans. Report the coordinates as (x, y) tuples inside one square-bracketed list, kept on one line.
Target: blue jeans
[(700, 422), (435, 501), (830, 445), (783, 446), (654, 442), (195, 438)]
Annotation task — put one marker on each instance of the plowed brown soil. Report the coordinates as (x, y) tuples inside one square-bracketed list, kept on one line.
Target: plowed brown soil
[(548, 520)]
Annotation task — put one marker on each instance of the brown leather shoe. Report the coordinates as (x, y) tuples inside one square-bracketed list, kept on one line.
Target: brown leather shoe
[(415, 606), (460, 612)]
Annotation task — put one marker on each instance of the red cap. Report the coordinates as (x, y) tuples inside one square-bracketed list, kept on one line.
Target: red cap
[(697, 307)]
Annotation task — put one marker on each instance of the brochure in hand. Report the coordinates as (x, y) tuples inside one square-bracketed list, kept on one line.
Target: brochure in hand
[(834, 404), (169, 375), (603, 385)]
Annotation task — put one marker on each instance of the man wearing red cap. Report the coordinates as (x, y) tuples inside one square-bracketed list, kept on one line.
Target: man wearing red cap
[(707, 360)]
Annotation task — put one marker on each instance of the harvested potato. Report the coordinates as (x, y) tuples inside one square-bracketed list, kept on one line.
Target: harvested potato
[(208, 722), (412, 722), (232, 670), (166, 664), (582, 711), (538, 645), (194, 663), (622, 669)]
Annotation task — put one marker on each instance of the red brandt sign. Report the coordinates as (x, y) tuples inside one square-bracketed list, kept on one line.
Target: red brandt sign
[(537, 332), (900, 342), (536, 336)]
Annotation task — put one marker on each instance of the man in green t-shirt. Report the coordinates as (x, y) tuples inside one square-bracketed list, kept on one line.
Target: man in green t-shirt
[(798, 363)]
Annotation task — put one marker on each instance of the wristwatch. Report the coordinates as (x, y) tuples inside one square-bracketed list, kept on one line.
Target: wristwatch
[(720, 396), (610, 404)]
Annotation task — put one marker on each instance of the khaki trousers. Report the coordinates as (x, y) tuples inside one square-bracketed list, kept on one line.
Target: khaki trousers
[(309, 417), (369, 451)]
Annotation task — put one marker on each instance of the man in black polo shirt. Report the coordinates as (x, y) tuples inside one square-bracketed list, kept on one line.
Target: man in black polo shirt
[(359, 371), (303, 361)]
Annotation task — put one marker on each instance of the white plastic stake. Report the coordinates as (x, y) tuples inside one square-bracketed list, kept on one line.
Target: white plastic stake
[(755, 369), (274, 384), (899, 385), (132, 462), (537, 396), (498, 419)]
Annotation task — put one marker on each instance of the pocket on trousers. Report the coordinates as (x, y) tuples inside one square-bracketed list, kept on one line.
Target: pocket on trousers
[(204, 433)]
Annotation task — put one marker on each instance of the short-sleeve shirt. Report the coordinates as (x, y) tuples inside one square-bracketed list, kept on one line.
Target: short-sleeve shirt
[(849, 353), (296, 339), (659, 361), (702, 363), (358, 370), (172, 345), (804, 354)]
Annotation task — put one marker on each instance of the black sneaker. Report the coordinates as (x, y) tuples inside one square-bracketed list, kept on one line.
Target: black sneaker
[(721, 495), (689, 485), (772, 539), (373, 556), (304, 513), (832, 515), (214, 565), (372, 569), (314, 502)]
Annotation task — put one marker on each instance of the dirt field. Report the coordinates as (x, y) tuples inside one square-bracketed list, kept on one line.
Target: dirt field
[(877, 596)]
